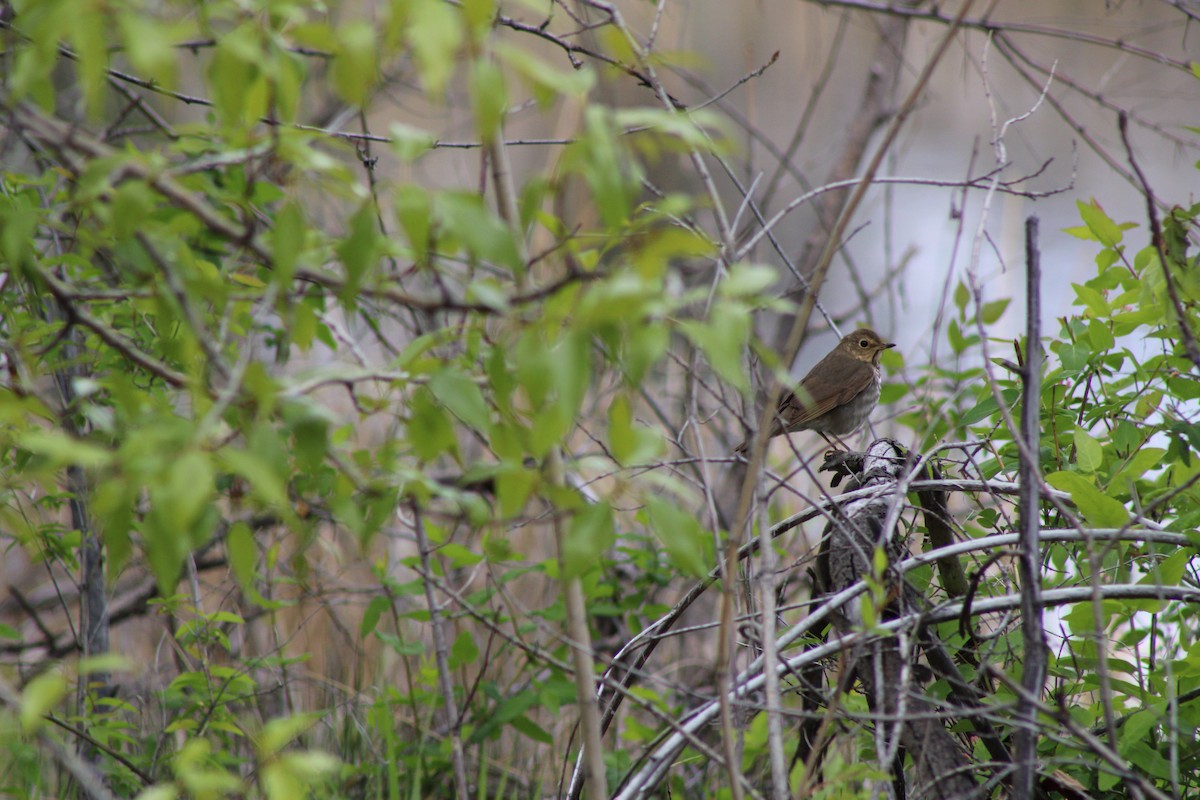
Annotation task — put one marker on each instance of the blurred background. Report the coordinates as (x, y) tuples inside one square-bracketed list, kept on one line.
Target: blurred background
[(787, 104)]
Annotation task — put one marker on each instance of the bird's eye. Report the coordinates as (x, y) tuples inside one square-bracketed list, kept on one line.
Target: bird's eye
[(863, 343)]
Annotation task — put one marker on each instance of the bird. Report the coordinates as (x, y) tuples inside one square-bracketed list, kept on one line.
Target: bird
[(837, 395)]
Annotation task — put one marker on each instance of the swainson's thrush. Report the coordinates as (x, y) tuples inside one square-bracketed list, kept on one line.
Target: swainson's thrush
[(838, 394)]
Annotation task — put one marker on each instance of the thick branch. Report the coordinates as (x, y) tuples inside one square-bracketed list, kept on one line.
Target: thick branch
[(941, 768), (752, 680)]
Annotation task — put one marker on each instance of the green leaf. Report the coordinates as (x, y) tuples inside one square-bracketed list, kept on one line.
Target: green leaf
[(19, 220), (1100, 337), (242, 553), (104, 663), (699, 129), (292, 773), (1089, 454), (621, 428), (490, 293), (113, 500), (722, 340), (546, 82), (1074, 357), (598, 157), (484, 235), (287, 240), (461, 396), (149, 47), (186, 489), (982, 410), (1081, 618), (514, 484), (409, 144), (236, 77), (479, 15), (371, 615), (1099, 510), (414, 210), (527, 727), (160, 791), (498, 549), (654, 254), (265, 482), (1138, 464), (429, 429), (489, 96), (630, 442), (279, 732), (1147, 758), (643, 350), (571, 370), (588, 535), (1183, 388), (355, 67), (533, 367), (359, 250), (958, 341), (1092, 298), (623, 299), (435, 34), (962, 296), (287, 79), (411, 355), (90, 37), (132, 204), (309, 426), (1169, 571), (399, 646), (317, 35), (464, 650), (507, 710), (747, 280), (40, 695), (60, 449), (165, 550), (688, 545), (891, 392), (1107, 232), (993, 311), (458, 555)]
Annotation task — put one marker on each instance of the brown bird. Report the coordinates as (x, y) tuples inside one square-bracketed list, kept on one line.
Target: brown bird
[(837, 395)]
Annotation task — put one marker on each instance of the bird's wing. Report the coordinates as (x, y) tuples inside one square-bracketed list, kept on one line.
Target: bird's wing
[(813, 400)]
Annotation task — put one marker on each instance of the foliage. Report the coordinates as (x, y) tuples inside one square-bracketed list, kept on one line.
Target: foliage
[(347, 428), (1118, 433)]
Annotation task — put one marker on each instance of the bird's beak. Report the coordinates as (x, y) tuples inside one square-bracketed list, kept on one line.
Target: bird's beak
[(889, 345)]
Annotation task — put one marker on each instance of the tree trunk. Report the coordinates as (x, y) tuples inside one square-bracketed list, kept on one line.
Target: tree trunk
[(941, 770)]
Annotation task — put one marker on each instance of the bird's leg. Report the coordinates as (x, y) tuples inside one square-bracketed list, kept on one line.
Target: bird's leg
[(840, 445)]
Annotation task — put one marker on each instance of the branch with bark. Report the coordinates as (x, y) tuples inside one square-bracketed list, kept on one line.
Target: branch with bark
[(862, 530)]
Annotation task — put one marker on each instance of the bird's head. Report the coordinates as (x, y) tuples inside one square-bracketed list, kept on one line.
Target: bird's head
[(864, 344)]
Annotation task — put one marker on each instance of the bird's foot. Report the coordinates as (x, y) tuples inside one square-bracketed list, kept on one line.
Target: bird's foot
[(842, 463)]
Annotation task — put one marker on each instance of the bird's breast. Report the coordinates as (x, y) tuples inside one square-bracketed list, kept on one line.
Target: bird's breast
[(851, 415)]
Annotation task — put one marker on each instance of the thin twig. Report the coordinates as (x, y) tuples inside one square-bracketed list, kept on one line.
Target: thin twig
[(582, 654), (1030, 559), (1160, 246), (442, 657), (985, 23)]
